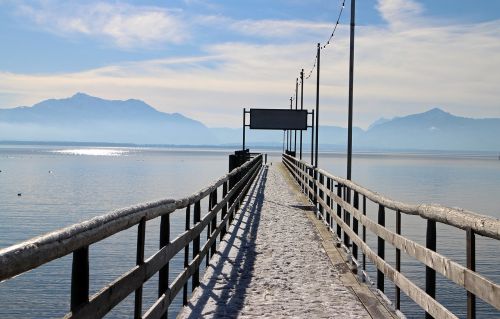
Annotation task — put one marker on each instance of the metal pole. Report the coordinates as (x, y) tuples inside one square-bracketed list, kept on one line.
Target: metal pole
[(283, 141), (317, 107), (290, 134), (244, 114), (312, 139), (301, 104), (351, 79), (296, 101)]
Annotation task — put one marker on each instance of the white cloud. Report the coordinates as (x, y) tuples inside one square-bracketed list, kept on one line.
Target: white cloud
[(397, 72), (125, 25), (399, 13)]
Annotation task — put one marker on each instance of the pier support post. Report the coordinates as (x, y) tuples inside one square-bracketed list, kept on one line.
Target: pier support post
[(471, 264), (339, 212), (196, 245), (164, 271), (398, 259), (80, 278), (381, 248), (430, 274), (187, 227), (139, 260), (355, 226)]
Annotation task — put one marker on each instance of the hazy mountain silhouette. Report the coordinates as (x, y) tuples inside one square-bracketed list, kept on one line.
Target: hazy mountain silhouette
[(84, 118), (435, 130)]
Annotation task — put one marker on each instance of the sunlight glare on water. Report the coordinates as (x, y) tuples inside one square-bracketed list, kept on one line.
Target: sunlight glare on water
[(93, 151)]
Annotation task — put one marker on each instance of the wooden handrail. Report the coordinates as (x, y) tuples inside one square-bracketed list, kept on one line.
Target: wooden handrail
[(37, 251), (312, 182), (457, 217)]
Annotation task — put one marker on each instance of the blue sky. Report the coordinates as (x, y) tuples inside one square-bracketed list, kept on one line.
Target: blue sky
[(208, 59)]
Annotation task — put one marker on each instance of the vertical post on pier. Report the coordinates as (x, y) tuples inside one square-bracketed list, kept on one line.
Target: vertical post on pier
[(209, 229), (186, 255), (328, 200), (312, 139), (351, 81), (347, 215), (244, 121), (214, 223), (430, 274), (471, 264), (224, 210), (320, 182), (290, 134), (355, 225), (283, 141), (80, 278), (339, 211), (381, 248), (196, 246), (317, 105), (164, 241), (296, 104), (301, 104), (364, 231), (139, 260), (398, 259)]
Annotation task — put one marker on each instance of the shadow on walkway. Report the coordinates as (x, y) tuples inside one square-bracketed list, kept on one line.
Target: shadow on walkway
[(230, 295)]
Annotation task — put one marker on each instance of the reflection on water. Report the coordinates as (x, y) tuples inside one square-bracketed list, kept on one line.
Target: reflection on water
[(93, 151)]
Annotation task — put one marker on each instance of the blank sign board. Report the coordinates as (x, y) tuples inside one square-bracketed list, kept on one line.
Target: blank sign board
[(278, 119)]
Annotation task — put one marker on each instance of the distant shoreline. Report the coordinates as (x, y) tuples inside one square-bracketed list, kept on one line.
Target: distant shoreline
[(326, 150)]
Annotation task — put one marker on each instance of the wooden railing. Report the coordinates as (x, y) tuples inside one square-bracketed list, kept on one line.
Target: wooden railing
[(319, 185), (76, 239)]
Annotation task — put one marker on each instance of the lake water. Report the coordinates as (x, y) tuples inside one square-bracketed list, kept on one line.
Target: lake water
[(64, 185)]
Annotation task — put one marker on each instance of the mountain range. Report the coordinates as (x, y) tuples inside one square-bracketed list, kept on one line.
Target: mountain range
[(84, 118)]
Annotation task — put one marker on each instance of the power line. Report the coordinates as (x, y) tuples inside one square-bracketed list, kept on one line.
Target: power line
[(336, 25), (329, 41)]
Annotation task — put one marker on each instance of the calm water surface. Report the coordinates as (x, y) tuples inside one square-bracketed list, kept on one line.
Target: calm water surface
[(64, 185)]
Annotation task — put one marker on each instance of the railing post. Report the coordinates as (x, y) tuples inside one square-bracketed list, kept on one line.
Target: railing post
[(355, 225), (430, 274), (471, 264), (187, 226), (339, 210), (398, 259), (163, 273), (139, 260), (328, 201), (320, 193), (381, 248), (224, 210), (214, 222), (347, 215), (364, 231), (196, 246), (209, 229), (80, 278)]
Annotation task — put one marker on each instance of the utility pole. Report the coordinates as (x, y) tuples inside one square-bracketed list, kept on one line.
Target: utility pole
[(290, 135), (351, 80), (317, 106), (301, 104), (295, 133)]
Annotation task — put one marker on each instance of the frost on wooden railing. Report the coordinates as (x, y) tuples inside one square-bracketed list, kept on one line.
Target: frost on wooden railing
[(76, 239), (319, 186)]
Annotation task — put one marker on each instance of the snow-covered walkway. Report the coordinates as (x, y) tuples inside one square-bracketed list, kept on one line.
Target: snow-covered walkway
[(273, 264)]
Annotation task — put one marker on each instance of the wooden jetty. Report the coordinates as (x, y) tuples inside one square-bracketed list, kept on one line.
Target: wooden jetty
[(332, 208)]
